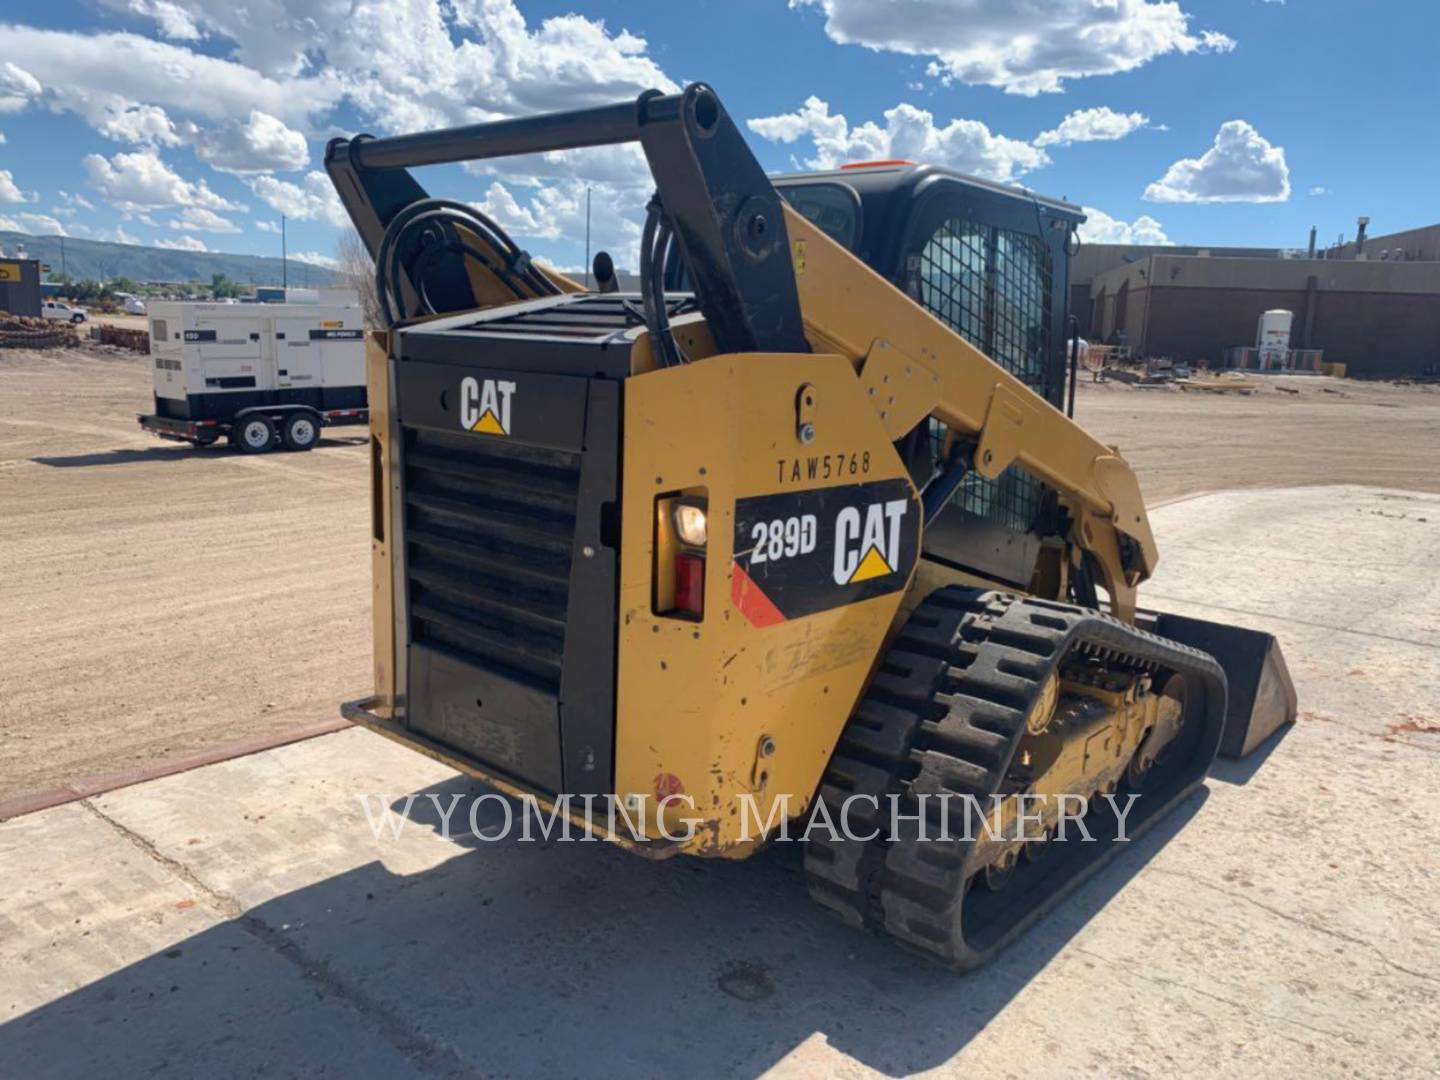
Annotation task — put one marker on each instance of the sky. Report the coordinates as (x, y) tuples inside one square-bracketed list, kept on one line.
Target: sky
[(198, 123)]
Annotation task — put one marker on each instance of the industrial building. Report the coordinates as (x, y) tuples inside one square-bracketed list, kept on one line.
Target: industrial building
[(20, 286), (1377, 312), (1412, 245)]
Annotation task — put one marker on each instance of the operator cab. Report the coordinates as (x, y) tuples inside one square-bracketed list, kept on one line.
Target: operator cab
[(991, 262)]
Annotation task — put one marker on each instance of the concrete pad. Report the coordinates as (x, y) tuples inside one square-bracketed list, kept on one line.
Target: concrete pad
[(1284, 920)]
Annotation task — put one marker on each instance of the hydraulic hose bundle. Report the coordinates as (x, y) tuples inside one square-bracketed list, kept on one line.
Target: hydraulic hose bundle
[(656, 241), (430, 228)]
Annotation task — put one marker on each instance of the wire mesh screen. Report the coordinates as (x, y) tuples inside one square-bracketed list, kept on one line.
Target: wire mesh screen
[(953, 278), (992, 286), (1022, 308)]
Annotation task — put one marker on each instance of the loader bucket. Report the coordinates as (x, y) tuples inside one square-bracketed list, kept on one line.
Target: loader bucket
[(1261, 696)]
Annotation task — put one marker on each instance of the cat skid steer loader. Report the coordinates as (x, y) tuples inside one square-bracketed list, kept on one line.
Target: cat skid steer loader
[(802, 525)]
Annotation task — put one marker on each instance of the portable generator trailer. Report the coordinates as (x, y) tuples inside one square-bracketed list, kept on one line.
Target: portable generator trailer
[(817, 528), (263, 375)]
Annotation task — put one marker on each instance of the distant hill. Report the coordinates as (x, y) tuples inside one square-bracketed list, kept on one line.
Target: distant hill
[(101, 261)]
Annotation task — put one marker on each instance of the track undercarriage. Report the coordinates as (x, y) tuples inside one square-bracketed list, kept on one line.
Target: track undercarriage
[(1007, 743)]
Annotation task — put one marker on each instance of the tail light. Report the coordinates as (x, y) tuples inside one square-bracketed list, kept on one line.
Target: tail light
[(690, 584), (681, 537)]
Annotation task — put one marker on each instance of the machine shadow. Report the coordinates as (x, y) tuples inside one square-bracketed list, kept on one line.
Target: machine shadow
[(171, 453), (117, 457), (543, 958), (1239, 772)]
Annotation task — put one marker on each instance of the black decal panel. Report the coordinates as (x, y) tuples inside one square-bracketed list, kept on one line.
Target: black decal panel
[(806, 551)]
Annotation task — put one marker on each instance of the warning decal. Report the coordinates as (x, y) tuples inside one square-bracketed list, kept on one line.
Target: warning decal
[(806, 551)]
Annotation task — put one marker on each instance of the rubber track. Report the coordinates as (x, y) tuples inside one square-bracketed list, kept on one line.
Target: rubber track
[(945, 714)]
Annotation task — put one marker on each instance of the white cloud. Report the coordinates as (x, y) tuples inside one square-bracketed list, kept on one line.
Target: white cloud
[(34, 224), (1319, 190), (74, 200), (408, 64), (9, 190), (556, 211), (1024, 48), (399, 65), (78, 66), (412, 63), (273, 74), (502, 206), (3, 140), (267, 227), (185, 243), (1101, 228), (315, 258), (909, 132), (258, 144), (1093, 125), (1241, 166), (173, 21), (312, 200), (199, 219), (17, 87), (117, 235), (124, 121), (141, 181)]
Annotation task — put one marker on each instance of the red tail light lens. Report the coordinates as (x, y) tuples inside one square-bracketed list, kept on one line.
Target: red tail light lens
[(690, 583)]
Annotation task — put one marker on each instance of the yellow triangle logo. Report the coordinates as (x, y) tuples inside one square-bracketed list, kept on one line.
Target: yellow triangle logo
[(489, 423), (872, 566)]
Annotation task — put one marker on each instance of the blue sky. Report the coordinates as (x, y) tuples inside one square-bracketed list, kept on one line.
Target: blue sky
[(1224, 122)]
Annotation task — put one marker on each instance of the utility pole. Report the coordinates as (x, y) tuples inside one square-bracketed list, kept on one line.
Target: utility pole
[(587, 236), (284, 270)]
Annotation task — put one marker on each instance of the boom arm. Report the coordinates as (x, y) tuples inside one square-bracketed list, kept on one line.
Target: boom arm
[(914, 366)]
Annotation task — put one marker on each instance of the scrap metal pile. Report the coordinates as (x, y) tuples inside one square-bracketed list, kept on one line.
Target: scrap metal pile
[(134, 340), (22, 332)]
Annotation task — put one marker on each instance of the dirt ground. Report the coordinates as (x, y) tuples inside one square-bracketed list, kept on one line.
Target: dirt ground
[(156, 600), (1329, 431)]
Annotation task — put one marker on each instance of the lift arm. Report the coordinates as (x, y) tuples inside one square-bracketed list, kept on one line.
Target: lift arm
[(913, 366)]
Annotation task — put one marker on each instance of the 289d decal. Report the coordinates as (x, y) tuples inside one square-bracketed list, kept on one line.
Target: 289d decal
[(783, 538), (808, 551)]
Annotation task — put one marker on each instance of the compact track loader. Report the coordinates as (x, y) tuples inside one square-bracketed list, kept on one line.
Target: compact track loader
[(800, 529)]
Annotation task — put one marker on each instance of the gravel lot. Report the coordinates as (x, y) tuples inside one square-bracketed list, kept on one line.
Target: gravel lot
[(160, 600)]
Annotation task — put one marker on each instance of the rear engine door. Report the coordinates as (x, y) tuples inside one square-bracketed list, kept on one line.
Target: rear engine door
[(510, 587)]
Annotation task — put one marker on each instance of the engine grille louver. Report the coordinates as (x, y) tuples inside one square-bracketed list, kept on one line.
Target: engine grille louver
[(489, 529)]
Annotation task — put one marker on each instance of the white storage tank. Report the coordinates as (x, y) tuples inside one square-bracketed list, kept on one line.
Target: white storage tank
[(1272, 338)]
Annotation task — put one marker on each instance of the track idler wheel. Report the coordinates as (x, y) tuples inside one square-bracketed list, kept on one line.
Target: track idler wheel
[(1158, 745), (998, 874)]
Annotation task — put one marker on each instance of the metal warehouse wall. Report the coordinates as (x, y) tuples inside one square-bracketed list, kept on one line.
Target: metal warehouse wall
[(20, 286), (1380, 319), (1093, 260)]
